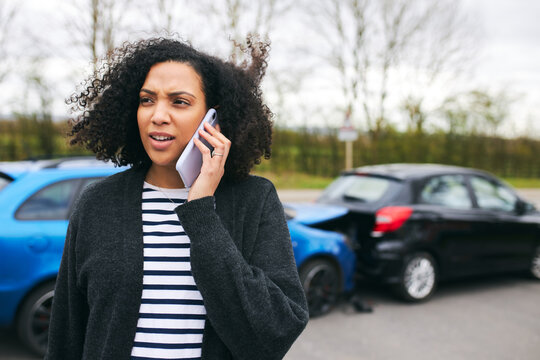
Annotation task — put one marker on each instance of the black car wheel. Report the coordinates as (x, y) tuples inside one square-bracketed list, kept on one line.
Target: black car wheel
[(34, 317), (535, 264), (321, 281), (418, 278)]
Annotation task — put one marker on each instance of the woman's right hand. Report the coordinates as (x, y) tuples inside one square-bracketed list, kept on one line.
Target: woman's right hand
[(213, 167)]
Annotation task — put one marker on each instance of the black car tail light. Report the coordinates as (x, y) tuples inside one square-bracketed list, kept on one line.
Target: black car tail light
[(390, 218)]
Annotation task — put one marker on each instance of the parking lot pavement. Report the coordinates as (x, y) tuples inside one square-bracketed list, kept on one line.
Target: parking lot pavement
[(531, 195), (484, 318), (298, 195), (488, 318), (11, 348)]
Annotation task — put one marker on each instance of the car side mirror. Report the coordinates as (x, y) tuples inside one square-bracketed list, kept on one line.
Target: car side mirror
[(521, 207)]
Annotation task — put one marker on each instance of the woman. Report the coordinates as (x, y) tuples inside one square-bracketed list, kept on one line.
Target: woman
[(152, 269)]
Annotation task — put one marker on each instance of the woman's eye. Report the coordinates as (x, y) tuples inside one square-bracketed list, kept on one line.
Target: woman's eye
[(145, 100), (180, 102)]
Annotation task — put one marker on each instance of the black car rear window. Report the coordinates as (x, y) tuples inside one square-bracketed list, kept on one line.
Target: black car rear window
[(359, 188)]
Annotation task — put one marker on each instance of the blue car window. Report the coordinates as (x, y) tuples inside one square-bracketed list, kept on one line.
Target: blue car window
[(50, 203), (493, 196), (4, 182), (447, 190)]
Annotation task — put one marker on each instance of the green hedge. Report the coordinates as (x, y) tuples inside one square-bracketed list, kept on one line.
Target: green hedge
[(319, 152)]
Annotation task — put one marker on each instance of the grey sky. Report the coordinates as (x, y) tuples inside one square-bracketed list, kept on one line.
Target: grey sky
[(508, 58)]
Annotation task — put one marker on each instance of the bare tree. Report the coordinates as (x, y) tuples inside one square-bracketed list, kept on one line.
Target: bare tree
[(165, 9), (97, 25), (429, 36), (415, 114), (8, 12), (367, 41), (476, 112), (341, 24), (238, 18), (166, 16), (42, 118)]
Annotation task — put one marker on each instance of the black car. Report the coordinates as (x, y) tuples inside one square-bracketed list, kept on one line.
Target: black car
[(416, 224)]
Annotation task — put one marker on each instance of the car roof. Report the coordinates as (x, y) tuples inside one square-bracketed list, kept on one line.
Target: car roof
[(404, 171), (15, 169)]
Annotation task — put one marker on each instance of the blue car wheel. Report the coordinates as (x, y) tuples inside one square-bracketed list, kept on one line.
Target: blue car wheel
[(322, 284), (34, 317)]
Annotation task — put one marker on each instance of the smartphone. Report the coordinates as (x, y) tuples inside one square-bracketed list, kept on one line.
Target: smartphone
[(190, 162)]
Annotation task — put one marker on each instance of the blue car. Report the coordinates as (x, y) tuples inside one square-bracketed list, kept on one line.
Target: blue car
[(325, 258), (36, 200)]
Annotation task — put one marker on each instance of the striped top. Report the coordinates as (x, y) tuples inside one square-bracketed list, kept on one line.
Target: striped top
[(172, 313)]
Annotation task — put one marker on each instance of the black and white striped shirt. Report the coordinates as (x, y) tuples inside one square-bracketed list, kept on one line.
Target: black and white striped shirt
[(172, 313)]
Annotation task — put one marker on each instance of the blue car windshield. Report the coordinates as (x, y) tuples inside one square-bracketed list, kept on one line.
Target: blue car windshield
[(356, 188)]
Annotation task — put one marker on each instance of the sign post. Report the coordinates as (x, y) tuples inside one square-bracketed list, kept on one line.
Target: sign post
[(348, 134)]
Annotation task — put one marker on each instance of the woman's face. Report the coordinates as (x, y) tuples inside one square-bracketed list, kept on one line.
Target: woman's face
[(171, 107)]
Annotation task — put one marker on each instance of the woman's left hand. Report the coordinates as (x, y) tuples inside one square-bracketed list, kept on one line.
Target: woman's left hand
[(213, 166)]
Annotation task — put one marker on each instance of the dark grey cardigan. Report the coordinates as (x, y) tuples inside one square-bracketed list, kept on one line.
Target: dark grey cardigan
[(241, 259)]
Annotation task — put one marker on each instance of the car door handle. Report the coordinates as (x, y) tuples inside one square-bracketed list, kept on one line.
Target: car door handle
[(38, 243)]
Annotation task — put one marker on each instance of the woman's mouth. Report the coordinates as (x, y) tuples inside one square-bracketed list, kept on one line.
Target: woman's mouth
[(161, 137), (161, 141)]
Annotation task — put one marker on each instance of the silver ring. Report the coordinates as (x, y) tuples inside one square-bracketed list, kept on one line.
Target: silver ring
[(212, 154)]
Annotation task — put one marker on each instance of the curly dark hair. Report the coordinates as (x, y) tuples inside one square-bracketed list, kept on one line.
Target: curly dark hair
[(107, 105)]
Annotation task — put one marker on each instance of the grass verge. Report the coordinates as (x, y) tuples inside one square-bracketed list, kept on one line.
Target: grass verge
[(291, 180), (523, 183)]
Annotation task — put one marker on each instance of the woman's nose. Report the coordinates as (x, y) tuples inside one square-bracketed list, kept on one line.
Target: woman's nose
[(161, 114)]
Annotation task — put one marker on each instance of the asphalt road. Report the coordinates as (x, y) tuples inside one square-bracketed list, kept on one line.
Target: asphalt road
[(487, 318), (496, 317)]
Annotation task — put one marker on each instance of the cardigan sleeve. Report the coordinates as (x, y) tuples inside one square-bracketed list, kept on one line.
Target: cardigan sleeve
[(69, 308), (257, 306)]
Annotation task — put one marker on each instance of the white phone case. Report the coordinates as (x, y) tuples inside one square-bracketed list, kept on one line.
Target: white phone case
[(190, 162)]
